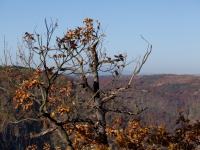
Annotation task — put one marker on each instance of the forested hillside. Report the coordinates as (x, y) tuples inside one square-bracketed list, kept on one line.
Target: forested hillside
[(170, 94), (164, 95)]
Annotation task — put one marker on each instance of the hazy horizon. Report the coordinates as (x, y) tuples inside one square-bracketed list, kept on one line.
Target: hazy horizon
[(172, 27)]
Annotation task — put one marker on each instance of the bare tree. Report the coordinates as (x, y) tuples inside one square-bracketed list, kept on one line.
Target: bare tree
[(45, 92)]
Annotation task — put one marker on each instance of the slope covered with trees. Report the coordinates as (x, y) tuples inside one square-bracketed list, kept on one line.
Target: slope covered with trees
[(164, 95), (172, 93)]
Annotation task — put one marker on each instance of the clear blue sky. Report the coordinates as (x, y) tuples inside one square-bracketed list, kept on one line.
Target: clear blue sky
[(172, 27)]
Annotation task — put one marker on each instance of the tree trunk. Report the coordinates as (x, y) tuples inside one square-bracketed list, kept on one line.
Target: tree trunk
[(100, 115), (65, 138)]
